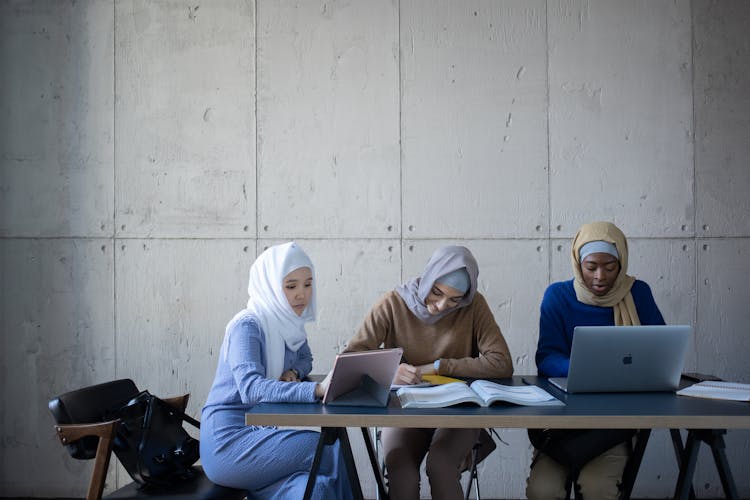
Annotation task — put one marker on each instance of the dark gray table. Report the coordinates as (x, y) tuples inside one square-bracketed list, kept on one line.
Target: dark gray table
[(705, 420)]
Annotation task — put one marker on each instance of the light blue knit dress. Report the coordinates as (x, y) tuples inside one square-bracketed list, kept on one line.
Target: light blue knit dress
[(266, 461)]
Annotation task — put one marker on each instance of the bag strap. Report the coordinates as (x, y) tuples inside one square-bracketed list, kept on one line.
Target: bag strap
[(187, 418), (184, 416), (146, 396)]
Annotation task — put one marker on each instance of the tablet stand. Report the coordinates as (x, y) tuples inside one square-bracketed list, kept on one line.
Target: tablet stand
[(367, 393)]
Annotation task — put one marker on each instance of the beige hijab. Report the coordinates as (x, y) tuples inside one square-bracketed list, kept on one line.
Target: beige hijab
[(619, 297)]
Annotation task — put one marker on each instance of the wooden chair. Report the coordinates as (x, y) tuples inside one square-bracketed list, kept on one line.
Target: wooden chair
[(79, 425)]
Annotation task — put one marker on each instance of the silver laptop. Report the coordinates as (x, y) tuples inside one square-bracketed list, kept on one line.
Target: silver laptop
[(626, 358)]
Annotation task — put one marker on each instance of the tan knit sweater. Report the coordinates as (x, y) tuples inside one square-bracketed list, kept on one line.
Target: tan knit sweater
[(467, 342)]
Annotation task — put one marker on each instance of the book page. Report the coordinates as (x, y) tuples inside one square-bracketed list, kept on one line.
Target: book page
[(526, 395), (730, 391), (724, 385), (437, 396), (425, 383)]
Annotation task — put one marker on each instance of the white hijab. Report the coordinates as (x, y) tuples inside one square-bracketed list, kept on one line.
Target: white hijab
[(281, 325)]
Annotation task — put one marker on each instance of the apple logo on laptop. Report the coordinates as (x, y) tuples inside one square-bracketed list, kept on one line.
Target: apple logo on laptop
[(627, 360)]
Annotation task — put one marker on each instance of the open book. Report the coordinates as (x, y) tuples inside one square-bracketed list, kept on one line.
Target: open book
[(480, 392), (732, 391)]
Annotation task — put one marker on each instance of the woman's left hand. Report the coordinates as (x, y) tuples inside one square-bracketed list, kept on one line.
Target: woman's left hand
[(289, 376)]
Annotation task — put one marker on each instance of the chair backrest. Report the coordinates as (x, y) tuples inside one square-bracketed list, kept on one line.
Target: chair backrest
[(89, 405)]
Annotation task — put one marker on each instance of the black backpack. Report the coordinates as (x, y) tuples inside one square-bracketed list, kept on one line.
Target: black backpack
[(151, 442)]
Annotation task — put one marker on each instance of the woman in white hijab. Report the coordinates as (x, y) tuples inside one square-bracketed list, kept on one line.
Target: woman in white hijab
[(264, 358)]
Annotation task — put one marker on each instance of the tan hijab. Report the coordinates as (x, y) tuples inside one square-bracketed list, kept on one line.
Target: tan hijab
[(619, 297), (443, 261)]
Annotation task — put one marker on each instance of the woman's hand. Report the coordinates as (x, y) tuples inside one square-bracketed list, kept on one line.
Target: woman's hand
[(322, 387), (428, 369), (407, 375), (289, 376)]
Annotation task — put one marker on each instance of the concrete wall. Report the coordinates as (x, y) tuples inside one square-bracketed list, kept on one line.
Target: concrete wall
[(150, 150)]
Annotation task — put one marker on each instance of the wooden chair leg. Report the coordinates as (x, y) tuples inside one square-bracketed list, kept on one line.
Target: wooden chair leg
[(105, 431), (101, 465)]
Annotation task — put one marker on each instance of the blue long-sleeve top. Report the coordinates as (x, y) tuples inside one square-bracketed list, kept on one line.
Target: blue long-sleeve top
[(561, 312), (240, 381)]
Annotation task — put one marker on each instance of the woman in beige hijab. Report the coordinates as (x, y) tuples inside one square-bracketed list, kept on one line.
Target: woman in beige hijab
[(600, 293)]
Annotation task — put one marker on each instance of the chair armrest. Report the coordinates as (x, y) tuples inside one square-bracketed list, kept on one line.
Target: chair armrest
[(105, 431), (69, 433)]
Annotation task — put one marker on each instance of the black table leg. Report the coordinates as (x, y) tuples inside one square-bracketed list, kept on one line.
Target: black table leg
[(634, 463), (316, 463), (687, 462), (374, 463), (679, 452), (351, 467), (688, 458), (328, 436), (714, 438)]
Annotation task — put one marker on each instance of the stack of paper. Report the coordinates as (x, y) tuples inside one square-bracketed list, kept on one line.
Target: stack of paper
[(733, 391)]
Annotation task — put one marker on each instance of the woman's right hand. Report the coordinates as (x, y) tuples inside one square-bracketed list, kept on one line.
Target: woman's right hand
[(407, 375), (322, 387)]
